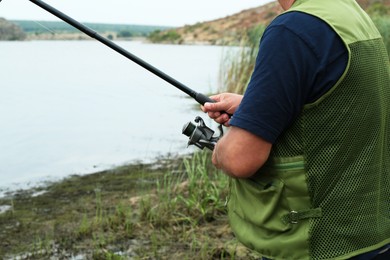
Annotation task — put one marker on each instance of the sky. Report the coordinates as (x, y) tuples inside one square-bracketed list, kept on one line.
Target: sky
[(142, 12)]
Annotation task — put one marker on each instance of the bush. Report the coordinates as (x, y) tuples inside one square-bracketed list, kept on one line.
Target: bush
[(125, 34), (166, 36)]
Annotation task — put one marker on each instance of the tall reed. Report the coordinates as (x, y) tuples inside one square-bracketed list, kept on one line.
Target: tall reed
[(237, 65)]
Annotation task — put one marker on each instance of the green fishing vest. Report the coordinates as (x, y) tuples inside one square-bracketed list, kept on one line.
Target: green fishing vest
[(324, 193)]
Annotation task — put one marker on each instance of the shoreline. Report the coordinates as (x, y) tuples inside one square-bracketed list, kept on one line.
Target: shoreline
[(171, 209), (48, 197), (35, 185), (78, 36)]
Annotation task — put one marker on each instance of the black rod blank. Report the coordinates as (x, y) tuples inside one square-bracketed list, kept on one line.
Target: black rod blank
[(200, 98)]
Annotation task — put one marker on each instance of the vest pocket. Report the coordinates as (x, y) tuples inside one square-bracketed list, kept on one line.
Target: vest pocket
[(262, 203)]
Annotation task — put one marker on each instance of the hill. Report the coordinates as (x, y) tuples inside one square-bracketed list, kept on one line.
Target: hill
[(224, 31), (230, 29), (10, 31)]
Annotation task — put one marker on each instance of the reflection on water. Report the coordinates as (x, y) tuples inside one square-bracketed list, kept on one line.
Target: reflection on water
[(79, 107)]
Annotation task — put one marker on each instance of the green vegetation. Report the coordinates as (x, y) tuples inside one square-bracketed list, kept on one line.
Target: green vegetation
[(237, 67), (378, 8), (380, 14), (383, 24), (38, 27), (175, 211), (21, 29), (125, 34), (170, 36)]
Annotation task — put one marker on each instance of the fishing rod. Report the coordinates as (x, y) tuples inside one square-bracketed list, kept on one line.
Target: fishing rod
[(199, 135), (199, 97)]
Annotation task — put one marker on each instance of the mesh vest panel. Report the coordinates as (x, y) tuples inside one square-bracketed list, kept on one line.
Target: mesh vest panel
[(346, 145)]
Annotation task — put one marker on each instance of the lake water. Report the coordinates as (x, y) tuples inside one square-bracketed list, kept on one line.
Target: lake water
[(76, 107)]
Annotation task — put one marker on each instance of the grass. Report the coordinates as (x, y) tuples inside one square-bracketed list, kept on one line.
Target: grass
[(174, 211)]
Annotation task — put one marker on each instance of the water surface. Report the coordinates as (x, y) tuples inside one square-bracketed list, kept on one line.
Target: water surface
[(75, 107)]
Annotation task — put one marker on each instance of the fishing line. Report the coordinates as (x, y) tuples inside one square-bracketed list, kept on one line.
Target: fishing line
[(44, 27)]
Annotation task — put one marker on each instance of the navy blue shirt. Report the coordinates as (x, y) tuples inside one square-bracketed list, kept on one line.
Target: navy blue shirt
[(300, 58)]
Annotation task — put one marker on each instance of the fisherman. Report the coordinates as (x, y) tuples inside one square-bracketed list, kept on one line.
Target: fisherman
[(308, 147)]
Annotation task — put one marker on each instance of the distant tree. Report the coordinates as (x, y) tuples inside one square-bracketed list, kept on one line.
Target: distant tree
[(170, 36), (125, 34), (10, 31)]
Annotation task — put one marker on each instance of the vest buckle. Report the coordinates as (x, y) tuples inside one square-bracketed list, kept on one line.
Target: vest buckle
[(293, 216)]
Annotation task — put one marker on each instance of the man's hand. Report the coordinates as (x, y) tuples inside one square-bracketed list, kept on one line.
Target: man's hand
[(227, 102), (238, 153)]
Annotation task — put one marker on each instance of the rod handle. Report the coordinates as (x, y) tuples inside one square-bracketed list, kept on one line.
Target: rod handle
[(201, 99)]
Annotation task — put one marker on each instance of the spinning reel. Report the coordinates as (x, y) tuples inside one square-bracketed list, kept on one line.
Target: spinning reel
[(201, 135)]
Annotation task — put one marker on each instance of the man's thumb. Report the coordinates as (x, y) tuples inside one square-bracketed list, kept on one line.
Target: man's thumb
[(211, 106)]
